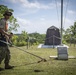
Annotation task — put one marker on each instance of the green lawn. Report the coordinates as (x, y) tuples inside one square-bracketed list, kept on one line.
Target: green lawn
[(26, 64)]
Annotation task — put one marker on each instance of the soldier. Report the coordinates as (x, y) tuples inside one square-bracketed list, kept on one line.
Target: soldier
[(4, 48)]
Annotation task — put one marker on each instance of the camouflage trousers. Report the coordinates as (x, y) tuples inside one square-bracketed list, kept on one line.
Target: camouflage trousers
[(4, 54)]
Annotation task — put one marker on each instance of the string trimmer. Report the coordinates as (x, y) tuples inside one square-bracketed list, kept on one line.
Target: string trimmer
[(42, 59)]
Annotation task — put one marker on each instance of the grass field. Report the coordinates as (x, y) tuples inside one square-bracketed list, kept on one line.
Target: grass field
[(26, 64)]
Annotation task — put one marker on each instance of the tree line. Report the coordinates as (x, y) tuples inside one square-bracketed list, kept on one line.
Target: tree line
[(69, 35), (30, 39)]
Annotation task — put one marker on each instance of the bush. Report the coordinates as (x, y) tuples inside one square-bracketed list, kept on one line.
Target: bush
[(15, 42), (21, 43), (64, 42)]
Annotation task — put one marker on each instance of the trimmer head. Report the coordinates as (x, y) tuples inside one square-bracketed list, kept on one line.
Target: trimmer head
[(44, 60)]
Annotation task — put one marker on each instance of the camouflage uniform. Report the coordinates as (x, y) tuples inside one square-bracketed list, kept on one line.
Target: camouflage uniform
[(4, 53), (4, 49)]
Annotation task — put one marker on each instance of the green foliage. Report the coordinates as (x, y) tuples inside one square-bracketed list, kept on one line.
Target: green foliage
[(14, 39), (37, 38), (66, 37), (64, 42), (21, 43), (24, 38), (13, 24), (70, 34), (13, 21), (73, 29), (3, 9), (20, 40)]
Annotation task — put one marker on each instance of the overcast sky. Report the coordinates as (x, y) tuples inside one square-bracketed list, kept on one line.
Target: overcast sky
[(38, 15)]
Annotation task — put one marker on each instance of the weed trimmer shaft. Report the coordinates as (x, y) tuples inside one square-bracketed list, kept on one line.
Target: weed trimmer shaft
[(42, 59)]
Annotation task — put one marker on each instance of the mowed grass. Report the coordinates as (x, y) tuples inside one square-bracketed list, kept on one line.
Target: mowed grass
[(26, 64)]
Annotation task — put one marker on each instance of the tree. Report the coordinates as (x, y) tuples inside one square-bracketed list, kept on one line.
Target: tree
[(36, 37), (73, 29), (70, 34), (73, 32), (67, 35), (13, 21), (20, 39), (23, 36)]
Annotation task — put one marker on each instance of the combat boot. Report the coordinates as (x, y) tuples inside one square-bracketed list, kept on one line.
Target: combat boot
[(7, 66), (1, 69)]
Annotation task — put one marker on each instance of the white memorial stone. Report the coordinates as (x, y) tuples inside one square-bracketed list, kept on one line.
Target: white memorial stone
[(62, 53)]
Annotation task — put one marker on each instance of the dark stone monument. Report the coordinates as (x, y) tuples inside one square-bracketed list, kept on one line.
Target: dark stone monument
[(53, 36)]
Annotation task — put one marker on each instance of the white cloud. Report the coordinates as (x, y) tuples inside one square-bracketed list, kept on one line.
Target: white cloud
[(68, 22), (23, 22), (39, 26), (71, 12), (36, 4), (42, 19)]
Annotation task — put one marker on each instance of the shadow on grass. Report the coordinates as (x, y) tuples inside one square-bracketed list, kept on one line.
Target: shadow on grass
[(32, 63), (26, 64)]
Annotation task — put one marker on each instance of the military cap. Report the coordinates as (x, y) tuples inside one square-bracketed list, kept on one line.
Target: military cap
[(8, 13)]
